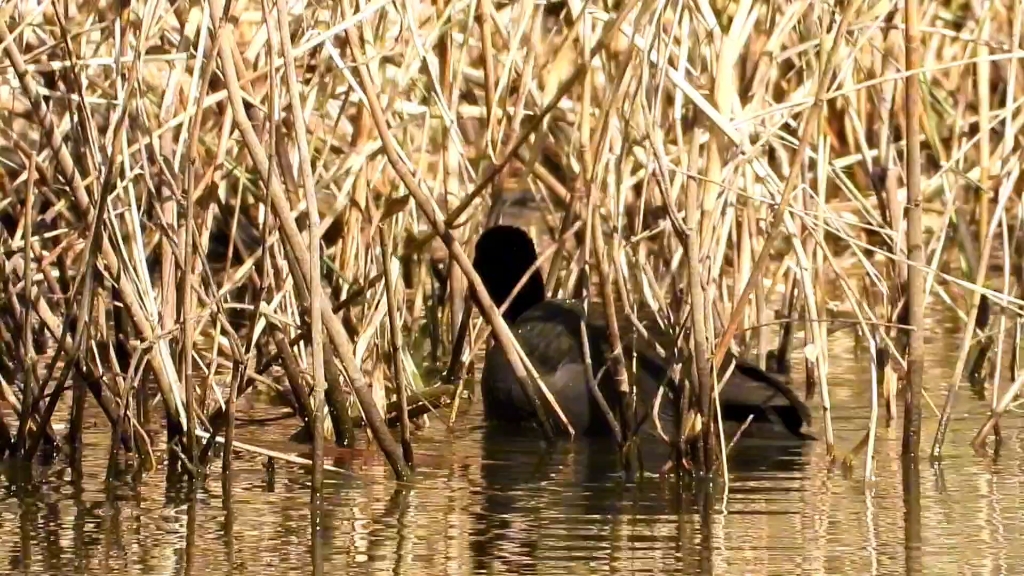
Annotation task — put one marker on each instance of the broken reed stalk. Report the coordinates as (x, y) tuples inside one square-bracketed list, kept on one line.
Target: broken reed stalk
[(992, 421)]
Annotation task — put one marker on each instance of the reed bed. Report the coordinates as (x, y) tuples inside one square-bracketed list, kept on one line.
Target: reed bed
[(747, 174)]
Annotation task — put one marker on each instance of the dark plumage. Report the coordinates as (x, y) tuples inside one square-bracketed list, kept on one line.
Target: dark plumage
[(549, 333)]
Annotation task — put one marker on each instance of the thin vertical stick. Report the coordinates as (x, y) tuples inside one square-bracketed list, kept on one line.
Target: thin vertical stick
[(449, 167), (701, 354), (915, 241), (28, 403), (869, 472), (239, 366), (1015, 351), (1000, 336), (187, 319), (6, 440), (984, 79), (313, 232), (396, 343), (483, 15), (910, 469)]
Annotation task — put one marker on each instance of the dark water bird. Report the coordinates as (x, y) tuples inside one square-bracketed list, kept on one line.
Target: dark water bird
[(549, 333)]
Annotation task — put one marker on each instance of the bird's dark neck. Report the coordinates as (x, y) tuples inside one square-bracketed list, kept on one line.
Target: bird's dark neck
[(531, 294)]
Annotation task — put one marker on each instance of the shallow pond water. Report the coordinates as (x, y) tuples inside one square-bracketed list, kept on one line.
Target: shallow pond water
[(486, 505)]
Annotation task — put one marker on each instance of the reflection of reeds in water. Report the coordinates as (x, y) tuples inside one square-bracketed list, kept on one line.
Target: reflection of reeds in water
[(485, 503), (701, 174), (498, 503)]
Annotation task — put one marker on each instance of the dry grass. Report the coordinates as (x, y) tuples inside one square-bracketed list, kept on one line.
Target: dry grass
[(779, 125)]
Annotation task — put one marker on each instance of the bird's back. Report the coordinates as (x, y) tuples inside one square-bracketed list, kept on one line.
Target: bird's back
[(549, 334), (744, 389)]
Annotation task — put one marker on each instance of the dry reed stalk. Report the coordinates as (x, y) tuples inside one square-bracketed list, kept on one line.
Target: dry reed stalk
[(240, 366), (166, 378), (703, 367), (275, 454), (395, 334), (810, 125), (974, 303), (869, 471), (1000, 336), (193, 249), (533, 96), (293, 374), (984, 79), (30, 381), (627, 394), (188, 322), (338, 337), (313, 232)]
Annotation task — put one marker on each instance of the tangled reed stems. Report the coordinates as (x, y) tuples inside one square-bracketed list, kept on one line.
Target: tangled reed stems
[(738, 172)]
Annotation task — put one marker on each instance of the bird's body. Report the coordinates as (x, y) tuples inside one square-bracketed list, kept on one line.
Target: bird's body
[(549, 333)]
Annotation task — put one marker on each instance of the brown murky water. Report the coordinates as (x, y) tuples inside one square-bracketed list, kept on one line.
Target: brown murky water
[(482, 505)]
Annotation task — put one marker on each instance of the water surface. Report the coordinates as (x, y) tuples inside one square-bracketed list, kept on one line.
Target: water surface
[(482, 504)]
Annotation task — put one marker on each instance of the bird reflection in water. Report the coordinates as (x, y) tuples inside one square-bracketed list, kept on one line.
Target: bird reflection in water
[(572, 504)]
